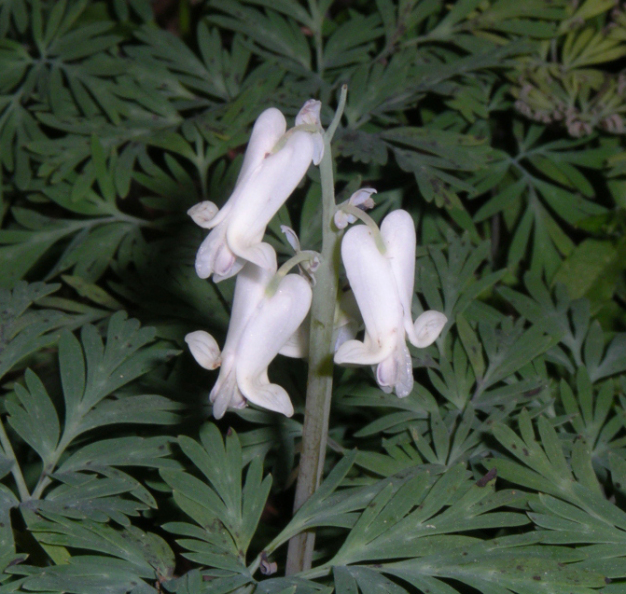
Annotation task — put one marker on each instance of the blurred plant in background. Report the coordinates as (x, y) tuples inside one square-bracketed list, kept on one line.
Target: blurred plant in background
[(497, 124)]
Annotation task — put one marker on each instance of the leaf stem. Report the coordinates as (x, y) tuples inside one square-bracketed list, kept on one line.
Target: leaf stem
[(16, 471), (320, 378)]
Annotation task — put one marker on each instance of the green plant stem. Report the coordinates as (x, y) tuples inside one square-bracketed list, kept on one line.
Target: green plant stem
[(320, 378), (318, 19), (16, 471)]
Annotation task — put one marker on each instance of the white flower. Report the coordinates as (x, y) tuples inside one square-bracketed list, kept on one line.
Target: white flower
[(260, 326), (274, 164), (383, 288)]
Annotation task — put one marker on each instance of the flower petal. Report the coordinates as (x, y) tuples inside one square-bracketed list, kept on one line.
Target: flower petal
[(203, 213), (428, 327), (292, 237), (398, 231), (225, 393), (297, 345), (374, 287), (215, 257), (266, 133), (395, 373), (318, 148), (204, 349), (310, 113), (343, 219), (265, 191), (249, 293), (363, 198), (275, 320), (261, 254), (270, 396)]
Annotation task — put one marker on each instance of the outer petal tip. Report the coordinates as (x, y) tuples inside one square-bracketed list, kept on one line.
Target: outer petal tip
[(428, 327), (318, 149), (203, 213), (272, 397), (204, 349), (310, 113), (355, 352), (261, 254), (396, 372), (343, 219), (363, 198)]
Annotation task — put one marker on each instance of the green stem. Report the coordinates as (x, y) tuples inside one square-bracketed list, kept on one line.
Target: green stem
[(320, 378), (318, 19), (16, 471)]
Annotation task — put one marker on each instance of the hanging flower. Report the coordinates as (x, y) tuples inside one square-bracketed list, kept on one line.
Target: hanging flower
[(383, 288), (260, 326), (274, 163)]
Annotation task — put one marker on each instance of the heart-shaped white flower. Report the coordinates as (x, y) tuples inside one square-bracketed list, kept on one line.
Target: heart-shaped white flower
[(275, 162), (383, 288)]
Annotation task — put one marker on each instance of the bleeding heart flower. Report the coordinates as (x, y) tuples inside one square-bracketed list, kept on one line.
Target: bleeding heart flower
[(260, 326), (383, 288), (275, 162)]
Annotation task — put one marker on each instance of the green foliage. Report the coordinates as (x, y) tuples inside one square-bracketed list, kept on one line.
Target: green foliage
[(499, 126)]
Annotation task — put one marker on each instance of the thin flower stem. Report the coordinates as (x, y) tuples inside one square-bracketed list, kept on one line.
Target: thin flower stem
[(16, 471), (369, 221), (299, 258), (320, 378)]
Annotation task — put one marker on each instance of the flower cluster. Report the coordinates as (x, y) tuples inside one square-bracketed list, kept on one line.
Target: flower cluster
[(270, 307)]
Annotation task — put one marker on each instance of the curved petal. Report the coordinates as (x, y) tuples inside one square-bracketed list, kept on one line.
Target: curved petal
[(395, 373), (398, 231), (362, 198), (297, 345), (355, 352), (267, 130), (270, 396), (374, 287), (310, 113), (225, 393), (318, 148), (203, 214), (249, 293), (343, 219), (428, 327), (214, 255), (273, 323), (204, 349), (262, 254), (266, 190)]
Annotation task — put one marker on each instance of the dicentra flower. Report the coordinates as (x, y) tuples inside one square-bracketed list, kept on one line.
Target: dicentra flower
[(274, 163), (383, 288), (260, 326)]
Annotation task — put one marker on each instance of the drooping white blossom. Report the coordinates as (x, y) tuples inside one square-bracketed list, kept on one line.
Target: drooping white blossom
[(383, 288), (260, 326), (275, 162)]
